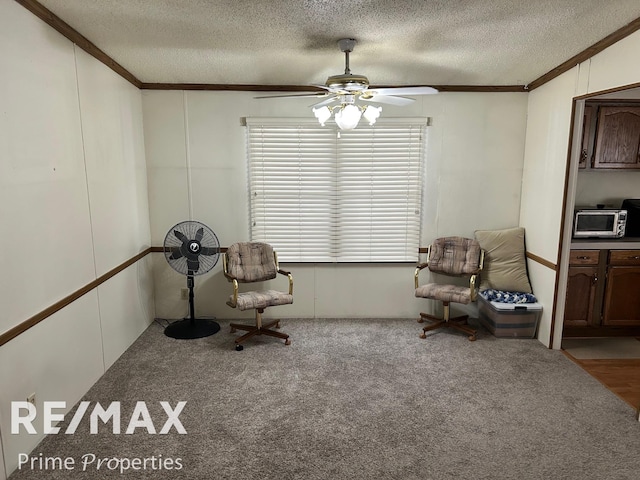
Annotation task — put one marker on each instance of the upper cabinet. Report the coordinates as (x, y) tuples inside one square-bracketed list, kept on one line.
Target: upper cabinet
[(611, 137), (587, 136), (618, 138)]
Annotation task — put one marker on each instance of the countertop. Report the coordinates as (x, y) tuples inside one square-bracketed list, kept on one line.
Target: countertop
[(625, 243)]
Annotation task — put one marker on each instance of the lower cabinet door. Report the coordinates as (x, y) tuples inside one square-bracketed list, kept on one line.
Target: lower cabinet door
[(581, 291), (622, 296)]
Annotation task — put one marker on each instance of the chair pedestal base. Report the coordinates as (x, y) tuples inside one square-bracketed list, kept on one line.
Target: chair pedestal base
[(457, 323), (259, 329)]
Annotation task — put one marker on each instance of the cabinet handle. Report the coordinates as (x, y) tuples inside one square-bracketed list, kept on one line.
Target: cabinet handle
[(583, 257), (636, 257), (595, 279)]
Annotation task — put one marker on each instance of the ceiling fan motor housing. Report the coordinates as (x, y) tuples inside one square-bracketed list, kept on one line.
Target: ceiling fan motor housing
[(351, 83), (347, 44)]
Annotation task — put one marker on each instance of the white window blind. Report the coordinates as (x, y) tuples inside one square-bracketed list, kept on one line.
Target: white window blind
[(318, 194)]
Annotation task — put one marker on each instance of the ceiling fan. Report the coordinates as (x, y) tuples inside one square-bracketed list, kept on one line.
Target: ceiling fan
[(345, 89)]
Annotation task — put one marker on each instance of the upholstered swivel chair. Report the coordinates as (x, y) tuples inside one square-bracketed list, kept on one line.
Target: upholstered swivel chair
[(249, 262), (453, 256)]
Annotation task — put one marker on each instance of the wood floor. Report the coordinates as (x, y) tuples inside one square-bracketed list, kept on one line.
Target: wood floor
[(621, 376)]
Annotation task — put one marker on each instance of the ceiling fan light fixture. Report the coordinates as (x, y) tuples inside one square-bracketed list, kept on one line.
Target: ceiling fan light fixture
[(322, 114), (348, 114), (372, 113), (347, 117)]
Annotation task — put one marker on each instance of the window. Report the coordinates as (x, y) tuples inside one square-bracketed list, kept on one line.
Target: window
[(318, 194)]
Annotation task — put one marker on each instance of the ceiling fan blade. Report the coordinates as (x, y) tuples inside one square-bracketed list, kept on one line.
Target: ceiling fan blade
[(293, 95), (402, 91), (388, 99), (325, 102)]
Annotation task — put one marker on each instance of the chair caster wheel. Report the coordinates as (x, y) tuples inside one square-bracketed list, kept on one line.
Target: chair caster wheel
[(287, 342), (423, 335), (239, 348), (472, 338)]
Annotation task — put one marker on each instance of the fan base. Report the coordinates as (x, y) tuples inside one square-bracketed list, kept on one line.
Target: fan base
[(188, 328)]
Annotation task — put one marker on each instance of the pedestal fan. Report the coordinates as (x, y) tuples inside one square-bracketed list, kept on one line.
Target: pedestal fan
[(191, 248)]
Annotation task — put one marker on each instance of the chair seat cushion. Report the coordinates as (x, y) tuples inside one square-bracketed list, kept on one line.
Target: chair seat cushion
[(262, 299), (444, 293)]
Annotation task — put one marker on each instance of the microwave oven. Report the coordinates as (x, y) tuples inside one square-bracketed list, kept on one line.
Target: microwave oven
[(599, 223)]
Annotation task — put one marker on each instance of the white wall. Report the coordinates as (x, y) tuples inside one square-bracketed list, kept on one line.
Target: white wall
[(73, 205), (548, 123), (607, 187), (195, 147), (549, 119)]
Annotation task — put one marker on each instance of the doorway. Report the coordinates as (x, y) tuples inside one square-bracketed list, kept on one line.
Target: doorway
[(583, 289)]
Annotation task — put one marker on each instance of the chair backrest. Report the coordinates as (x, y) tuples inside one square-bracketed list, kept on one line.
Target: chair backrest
[(455, 256), (251, 262)]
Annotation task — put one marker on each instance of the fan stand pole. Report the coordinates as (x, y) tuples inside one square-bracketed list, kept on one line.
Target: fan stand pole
[(192, 315), (189, 328)]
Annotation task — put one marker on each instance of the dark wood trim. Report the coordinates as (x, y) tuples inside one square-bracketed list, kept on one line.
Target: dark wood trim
[(481, 88), (161, 249), (587, 53), (69, 32), (612, 102), (47, 312), (312, 89), (231, 87), (588, 96), (541, 261)]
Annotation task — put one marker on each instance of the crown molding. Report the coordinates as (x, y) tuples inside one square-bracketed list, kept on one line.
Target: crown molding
[(312, 89), (586, 54)]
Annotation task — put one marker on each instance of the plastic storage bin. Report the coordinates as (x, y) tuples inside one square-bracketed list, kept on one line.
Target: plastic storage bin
[(509, 320)]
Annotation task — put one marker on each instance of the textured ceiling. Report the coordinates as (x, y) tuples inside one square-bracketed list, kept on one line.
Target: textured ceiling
[(294, 42)]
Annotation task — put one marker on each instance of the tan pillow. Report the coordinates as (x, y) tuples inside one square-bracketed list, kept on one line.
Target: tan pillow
[(505, 265)]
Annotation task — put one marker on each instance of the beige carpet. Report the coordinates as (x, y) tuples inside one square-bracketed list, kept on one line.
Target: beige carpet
[(602, 348), (352, 399)]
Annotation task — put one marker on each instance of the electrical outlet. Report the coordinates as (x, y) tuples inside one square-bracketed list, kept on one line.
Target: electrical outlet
[(32, 398), (184, 293)]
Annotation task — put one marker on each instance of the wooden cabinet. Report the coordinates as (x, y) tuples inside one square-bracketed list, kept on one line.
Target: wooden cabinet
[(603, 294), (581, 294), (581, 307), (622, 293), (617, 142), (625, 258), (587, 136)]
